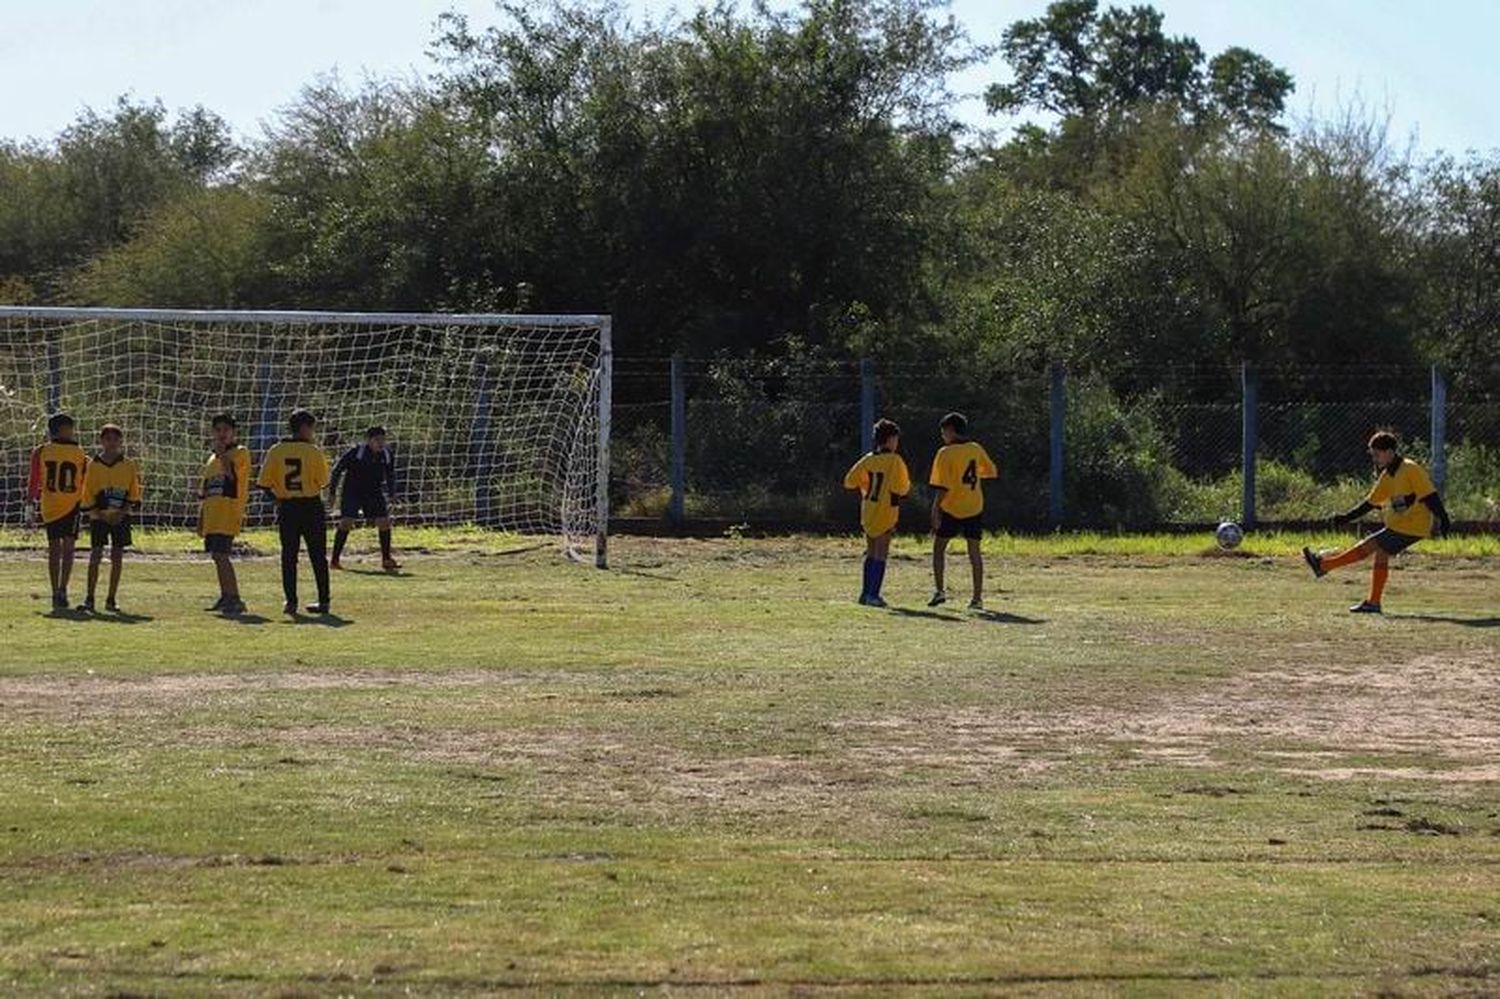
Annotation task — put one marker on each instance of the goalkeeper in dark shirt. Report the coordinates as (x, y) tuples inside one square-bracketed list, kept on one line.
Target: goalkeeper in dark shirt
[(368, 472)]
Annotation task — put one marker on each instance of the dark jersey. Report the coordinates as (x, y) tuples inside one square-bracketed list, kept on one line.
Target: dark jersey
[(369, 473)]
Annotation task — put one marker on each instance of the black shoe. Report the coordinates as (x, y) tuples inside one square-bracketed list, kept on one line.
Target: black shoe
[(87, 606), (230, 608), (59, 600), (112, 606), (1314, 562), (290, 607), (218, 604), (318, 609)]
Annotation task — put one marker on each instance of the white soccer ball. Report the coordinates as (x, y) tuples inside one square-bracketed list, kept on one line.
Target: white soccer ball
[(1229, 535)]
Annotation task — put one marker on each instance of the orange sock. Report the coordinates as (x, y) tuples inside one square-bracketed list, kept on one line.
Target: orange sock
[(1346, 557), (1378, 576)]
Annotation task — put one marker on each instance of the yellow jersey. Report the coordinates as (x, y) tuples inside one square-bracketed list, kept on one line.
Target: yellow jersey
[(958, 470), (294, 470), (882, 480), (58, 469), (223, 495), (1399, 493), (108, 487)]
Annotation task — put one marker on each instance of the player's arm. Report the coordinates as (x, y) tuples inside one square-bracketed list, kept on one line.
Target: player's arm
[(339, 468), (855, 478), (269, 472), (1434, 502), (1352, 514), (136, 491), (937, 481), (34, 477), (987, 467), (390, 472), (90, 489), (902, 485)]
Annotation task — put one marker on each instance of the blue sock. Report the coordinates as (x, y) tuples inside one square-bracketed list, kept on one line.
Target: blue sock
[(869, 583), (879, 577)]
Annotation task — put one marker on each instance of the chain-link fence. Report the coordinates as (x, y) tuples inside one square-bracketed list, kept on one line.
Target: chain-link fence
[(767, 441)]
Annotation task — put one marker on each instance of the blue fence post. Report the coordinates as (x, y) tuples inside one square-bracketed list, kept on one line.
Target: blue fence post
[(676, 511), (54, 373), (866, 402), (1059, 401), (1438, 439), (479, 441), (1249, 440)]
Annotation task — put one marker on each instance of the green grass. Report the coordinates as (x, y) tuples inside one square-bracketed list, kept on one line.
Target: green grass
[(1146, 767)]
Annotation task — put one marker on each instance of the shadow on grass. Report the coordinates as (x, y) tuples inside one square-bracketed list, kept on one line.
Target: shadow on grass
[(1466, 622), (930, 615), (1001, 617), (325, 620), (389, 574), (116, 617), (247, 618)]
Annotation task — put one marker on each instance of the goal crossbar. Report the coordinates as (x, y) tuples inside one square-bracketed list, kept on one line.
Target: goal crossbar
[(301, 318)]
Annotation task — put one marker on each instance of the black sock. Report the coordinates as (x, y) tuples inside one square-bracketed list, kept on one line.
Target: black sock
[(339, 538), (385, 544)]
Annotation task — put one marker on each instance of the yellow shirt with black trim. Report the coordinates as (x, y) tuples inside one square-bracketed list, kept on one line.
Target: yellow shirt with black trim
[(222, 510), (958, 470), (294, 470), (882, 480), (60, 468), (108, 487), (1399, 493)]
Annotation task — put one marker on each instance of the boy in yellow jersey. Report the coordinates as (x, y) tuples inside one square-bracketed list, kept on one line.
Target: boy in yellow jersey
[(1410, 506), (296, 472), (958, 503), (111, 493), (56, 485), (882, 481), (223, 493)]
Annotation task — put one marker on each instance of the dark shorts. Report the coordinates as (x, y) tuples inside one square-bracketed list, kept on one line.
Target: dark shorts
[(1392, 542), (970, 527), (363, 506), (112, 535), (218, 544), (65, 526)]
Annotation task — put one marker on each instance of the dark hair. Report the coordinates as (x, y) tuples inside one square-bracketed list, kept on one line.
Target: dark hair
[(957, 421), (884, 431), (111, 428), (223, 420), (57, 421), (376, 431), (301, 418), (1384, 440)]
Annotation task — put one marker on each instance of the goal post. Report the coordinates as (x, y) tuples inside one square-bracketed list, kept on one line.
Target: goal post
[(501, 421)]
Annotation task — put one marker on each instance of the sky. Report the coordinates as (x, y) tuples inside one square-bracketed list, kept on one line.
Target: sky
[(1428, 67)]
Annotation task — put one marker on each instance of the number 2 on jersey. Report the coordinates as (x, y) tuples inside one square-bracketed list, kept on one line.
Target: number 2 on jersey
[(293, 479)]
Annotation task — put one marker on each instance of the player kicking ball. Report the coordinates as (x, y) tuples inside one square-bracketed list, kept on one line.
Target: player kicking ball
[(111, 493), (295, 473), (368, 472), (882, 481), (1410, 506), (958, 503), (56, 486)]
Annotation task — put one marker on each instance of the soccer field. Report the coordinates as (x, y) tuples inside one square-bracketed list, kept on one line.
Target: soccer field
[(1143, 767)]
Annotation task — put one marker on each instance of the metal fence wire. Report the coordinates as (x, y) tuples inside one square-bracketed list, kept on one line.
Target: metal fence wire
[(767, 441)]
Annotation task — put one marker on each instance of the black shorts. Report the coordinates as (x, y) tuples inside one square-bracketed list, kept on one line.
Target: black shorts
[(971, 528), (65, 526), (115, 535), (363, 506), (218, 544), (1393, 542)]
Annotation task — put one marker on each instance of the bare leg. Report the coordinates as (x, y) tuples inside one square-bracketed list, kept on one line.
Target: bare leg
[(65, 567), (116, 563), (229, 587), (95, 557), (54, 564), (939, 554), (976, 563)]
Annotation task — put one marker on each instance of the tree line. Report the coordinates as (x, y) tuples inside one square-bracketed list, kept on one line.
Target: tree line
[(747, 180)]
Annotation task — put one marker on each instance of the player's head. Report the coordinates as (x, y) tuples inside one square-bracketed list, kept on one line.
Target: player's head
[(60, 427), (954, 427), (111, 438), (375, 438), (887, 435), (302, 424), (1383, 447), (225, 429)]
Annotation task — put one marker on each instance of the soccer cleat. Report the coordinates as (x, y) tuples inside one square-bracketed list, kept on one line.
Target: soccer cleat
[(876, 601), (939, 597), (390, 565), (976, 604), (112, 606), (218, 604), (60, 600), (290, 607), (1365, 607), (335, 565), (318, 609), (87, 606), (1314, 562), (229, 608)]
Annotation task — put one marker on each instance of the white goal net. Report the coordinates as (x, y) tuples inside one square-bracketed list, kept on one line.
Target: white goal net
[(498, 421)]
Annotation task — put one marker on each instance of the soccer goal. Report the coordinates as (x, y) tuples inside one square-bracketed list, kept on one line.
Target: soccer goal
[(495, 420)]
